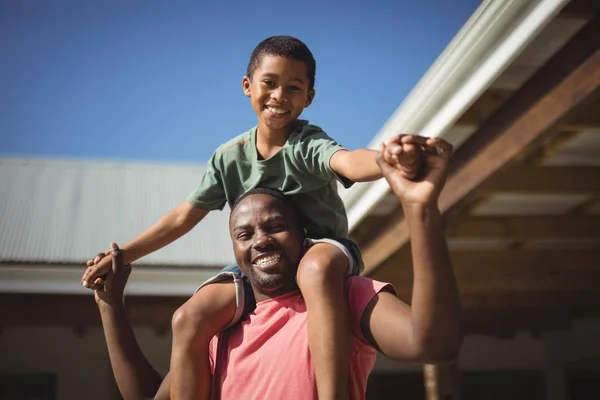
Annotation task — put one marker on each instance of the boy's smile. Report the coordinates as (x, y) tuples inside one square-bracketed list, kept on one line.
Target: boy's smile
[(279, 92)]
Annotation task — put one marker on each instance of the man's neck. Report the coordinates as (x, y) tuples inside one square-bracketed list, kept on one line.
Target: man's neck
[(260, 296)]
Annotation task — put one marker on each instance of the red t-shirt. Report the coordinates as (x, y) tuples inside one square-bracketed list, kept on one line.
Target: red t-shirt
[(266, 356)]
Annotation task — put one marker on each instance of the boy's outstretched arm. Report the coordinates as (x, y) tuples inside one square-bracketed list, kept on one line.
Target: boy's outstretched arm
[(360, 165), (166, 230), (136, 378)]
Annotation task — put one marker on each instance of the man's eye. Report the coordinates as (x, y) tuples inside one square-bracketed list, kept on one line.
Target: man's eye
[(277, 228), (243, 236)]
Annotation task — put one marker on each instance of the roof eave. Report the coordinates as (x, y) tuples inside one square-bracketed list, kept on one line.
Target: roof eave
[(496, 33), (59, 279)]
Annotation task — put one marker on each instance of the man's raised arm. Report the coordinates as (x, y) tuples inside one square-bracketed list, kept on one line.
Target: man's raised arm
[(135, 377), (429, 330)]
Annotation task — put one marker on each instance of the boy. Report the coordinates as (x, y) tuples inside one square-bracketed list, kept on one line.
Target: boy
[(291, 156)]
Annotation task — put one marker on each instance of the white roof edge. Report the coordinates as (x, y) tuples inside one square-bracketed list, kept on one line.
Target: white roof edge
[(143, 281), (484, 47)]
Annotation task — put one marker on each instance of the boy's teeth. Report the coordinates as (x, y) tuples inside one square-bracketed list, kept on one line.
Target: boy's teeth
[(276, 110)]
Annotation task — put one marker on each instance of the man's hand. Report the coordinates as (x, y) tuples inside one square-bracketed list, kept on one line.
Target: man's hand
[(405, 154), (111, 293), (94, 275), (426, 191)]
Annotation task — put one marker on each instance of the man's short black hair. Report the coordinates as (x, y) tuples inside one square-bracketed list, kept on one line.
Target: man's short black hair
[(274, 193), (284, 46)]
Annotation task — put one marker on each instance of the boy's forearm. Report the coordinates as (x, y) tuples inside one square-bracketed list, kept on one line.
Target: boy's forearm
[(166, 230), (435, 301), (133, 373), (361, 166)]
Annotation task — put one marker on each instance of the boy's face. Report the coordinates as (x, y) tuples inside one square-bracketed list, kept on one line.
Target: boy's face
[(279, 92)]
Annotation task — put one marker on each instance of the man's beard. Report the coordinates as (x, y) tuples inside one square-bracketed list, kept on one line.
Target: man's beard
[(270, 283)]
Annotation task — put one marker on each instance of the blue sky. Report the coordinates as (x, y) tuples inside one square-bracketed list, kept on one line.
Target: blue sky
[(161, 81)]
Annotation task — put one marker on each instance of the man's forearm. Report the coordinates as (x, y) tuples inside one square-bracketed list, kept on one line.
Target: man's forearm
[(135, 376), (435, 301)]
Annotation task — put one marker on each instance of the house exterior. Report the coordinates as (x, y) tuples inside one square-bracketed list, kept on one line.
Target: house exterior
[(517, 93)]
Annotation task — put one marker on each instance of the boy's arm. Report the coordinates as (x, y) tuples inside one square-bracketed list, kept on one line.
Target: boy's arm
[(166, 230), (357, 165), (402, 152)]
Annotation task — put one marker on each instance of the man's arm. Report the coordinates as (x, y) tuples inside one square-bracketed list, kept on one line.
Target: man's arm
[(429, 330), (169, 228), (135, 377)]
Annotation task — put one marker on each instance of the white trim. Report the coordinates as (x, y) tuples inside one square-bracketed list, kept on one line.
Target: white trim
[(493, 37), (144, 281)]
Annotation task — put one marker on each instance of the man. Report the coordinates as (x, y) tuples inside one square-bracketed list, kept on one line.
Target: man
[(266, 356)]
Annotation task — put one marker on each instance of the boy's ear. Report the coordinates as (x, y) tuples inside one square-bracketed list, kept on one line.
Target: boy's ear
[(246, 84), (310, 97)]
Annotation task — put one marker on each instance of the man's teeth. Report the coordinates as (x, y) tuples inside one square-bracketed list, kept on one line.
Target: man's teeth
[(277, 110), (266, 261)]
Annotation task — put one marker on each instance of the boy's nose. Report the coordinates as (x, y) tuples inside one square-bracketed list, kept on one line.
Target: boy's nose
[(278, 94)]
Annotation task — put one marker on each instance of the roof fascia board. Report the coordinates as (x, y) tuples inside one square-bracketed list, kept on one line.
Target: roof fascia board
[(487, 44), (48, 279)]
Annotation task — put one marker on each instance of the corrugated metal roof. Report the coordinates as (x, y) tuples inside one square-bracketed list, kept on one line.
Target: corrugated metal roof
[(55, 211)]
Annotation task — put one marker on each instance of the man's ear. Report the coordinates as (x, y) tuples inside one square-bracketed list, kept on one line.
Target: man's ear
[(310, 97), (246, 85)]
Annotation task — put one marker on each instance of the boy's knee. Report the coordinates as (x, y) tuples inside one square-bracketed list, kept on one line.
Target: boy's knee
[(188, 320), (322, 267), (185, 321), (204, 315)]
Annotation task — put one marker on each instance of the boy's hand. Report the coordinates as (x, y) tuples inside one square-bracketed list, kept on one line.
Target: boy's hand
[(404, 154), (93, 277), (111, 293), (436, 154)]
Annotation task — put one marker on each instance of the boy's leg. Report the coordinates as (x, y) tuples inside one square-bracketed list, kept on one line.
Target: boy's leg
[(321, 276), (194, 324)]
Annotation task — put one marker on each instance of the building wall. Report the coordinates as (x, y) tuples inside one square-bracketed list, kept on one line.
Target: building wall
[(80, 360)]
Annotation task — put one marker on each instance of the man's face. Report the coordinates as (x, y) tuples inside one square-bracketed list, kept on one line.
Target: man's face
[(279, 91), (267, 243)]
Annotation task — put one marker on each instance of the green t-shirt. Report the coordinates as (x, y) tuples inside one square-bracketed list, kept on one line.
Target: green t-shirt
[(300, 170)]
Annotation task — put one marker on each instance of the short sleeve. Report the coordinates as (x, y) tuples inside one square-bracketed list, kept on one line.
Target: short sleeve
[(210, 193), (359, 292), (318, 148), (212, 349)]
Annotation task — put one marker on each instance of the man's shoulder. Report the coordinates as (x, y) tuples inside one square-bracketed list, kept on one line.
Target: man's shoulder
[(361, 290)]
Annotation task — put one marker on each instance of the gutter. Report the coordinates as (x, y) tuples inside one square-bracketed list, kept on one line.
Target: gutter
[(496, 33), (143, 281)]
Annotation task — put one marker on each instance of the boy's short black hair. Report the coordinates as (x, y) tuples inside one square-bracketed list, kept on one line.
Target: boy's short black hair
[(284, 46)]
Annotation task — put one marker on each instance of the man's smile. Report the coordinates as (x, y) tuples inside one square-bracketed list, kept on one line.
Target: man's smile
[(267, 261)]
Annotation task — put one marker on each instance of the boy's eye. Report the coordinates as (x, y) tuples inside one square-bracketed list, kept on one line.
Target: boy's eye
[(294, 88), (268, 83)]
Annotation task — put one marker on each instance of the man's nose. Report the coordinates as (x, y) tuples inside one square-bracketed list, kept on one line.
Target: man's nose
[(261, 239)]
